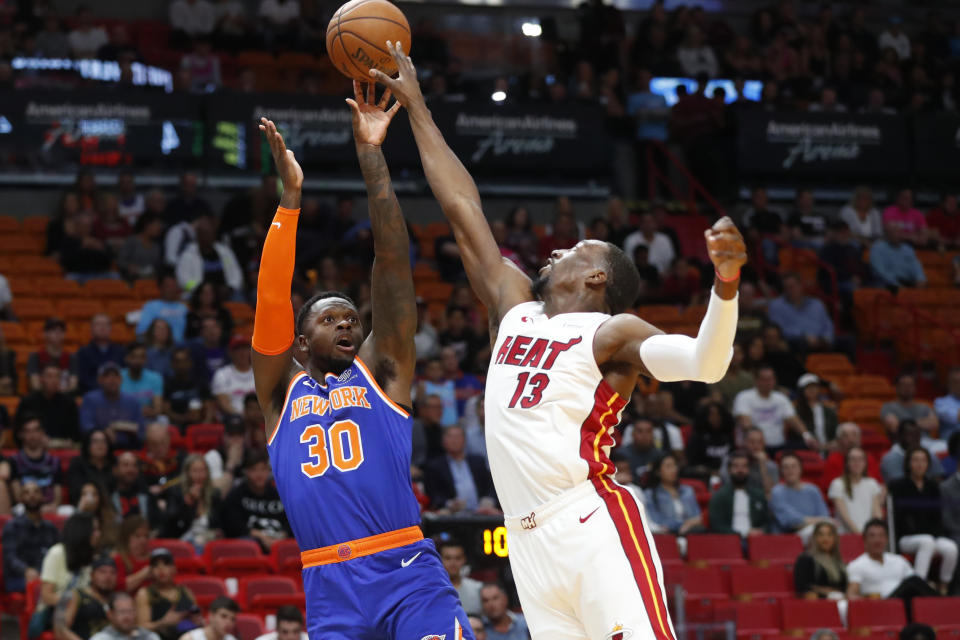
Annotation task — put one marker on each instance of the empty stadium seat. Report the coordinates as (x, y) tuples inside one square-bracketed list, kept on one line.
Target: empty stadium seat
[(107, 288), (761, 583), (235, 558), (703, 588), (205, 436), (264, 594), (715, 550), (205, 589), (285, 555), (774, 549), (249, 626), (943, 614), (756, 620), (667, 549), (806, 616), (877, 618)]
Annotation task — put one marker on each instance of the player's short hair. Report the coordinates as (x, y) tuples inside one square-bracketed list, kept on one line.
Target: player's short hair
[(623, 280), (289, 613), (305, 310), (223, 602)]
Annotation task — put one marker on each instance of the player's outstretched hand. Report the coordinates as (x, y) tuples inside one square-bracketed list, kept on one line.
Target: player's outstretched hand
[(726, 247), (291, 175), (370, 118), (405, 86)]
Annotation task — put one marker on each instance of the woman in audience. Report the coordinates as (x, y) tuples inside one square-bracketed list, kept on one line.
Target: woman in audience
[(917, 518), (159, 341), (95, 462), (819, 571), (66, 566), (670, 504), (205, 302), (711, 441), (857, 498), (133, 554), (820, 419), (164, 607), (193, 505), (93, 499)]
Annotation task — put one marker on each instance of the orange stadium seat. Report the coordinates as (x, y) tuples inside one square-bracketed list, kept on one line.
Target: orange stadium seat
[(265, 594), (830, 365), (146, 289), (877, 618), (118, 309), (22, 286), (107, 288), (235, 558), (14, 333), (868, 386), (22, 244), (205, 589), (851, 546), (803, 262), (714, 550), (249, 626), (34, 266), (809, 615), (56, 287), (36, 225), (10, 225), (80, 308), (241, 312), (943, 614), (10, 403), (773, 549), (436, 292), (33, 308), (761, 583), (184, 554)]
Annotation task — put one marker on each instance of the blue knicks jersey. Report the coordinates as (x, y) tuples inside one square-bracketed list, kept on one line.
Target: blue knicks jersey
[(341, 459)]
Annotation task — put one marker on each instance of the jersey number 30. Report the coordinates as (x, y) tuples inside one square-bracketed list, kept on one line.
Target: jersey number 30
[(535, 383), (345, 446)]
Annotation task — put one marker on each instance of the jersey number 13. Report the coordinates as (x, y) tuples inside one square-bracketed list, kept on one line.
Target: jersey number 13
[(345, 450)]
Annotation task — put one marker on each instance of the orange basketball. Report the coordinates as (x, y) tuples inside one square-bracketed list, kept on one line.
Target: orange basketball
[(357, 37)]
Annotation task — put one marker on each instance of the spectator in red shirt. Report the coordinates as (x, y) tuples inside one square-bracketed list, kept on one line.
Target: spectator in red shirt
[(848, 437), (910, 220), (944, 222)]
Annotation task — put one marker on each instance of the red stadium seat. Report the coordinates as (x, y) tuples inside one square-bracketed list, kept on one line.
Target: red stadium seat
[(205, 589), (184, 555), (806, 616), (774, 549), (704, 588), (667, 549), (877, 618), (943, 614), (32, 598), (761, 583), (56, 519), (265, 594), (722, 550), (756, 620), (851, 546), (235, 558), (285, 555), (249, 626), (203, 437)]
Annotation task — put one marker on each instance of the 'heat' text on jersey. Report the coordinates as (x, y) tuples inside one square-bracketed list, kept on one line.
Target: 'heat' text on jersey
[(339, 399), (524, 351)]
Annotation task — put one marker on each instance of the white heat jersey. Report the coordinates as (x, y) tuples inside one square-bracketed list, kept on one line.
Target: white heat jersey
[(549, 412)]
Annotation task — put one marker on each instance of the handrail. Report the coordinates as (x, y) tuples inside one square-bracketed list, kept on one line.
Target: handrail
[(833, 299), (694, 187)]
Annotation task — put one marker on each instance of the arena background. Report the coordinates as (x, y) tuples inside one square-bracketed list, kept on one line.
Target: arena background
[(829, 132)]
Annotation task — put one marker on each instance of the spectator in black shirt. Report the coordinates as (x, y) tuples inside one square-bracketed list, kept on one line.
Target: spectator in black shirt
[(57, 411), (712, 439), (130, 496), (193, 506), (205, 301), (780, 358), (84, 612), (95, 462), (187, 206), (807, 226), (427, 430), (186, 397), (26, 540), (460, 336), (82, 255), (97, 352), (207, 351), (819, 571), (845, 255), (253, 508), (649, 274), (33, 463), (448, 259)]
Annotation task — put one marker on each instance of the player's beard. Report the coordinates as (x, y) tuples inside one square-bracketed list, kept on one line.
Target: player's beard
[(539, 286)]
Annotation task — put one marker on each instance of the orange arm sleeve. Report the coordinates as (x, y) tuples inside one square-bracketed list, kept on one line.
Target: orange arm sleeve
[(273, 330)]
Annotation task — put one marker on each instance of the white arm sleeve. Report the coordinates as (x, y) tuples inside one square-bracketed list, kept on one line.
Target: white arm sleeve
[(672, 357)]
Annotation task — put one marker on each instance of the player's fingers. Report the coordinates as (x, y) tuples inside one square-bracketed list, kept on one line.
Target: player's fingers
[(354, 108), (371, 93), (385, 99), (394, 53), (383, 78), (393, 110), (357, 94)]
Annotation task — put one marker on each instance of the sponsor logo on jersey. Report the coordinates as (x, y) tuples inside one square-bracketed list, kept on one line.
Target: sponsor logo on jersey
[(338, 399), (434, 637), (619, 633), (539, 353), (349, 374), (529, 522)]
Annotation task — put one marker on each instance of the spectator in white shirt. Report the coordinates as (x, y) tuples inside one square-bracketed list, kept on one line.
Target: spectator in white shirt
[(695, 57), (881, 574), (191, 18), (857, 498), (894, 38), (769, 409), (454, 558), (861, 216), (658, 244), (221, 624), (234, 381), (87, 37), (289, 625)]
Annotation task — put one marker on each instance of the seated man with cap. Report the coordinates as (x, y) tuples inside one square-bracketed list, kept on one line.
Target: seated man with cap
[(84, 613), (164, 607), (110, 409)]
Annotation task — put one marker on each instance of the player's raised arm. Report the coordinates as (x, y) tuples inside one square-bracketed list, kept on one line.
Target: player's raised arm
[(273, 327), (389, 348), (498, 283), (668, 357)]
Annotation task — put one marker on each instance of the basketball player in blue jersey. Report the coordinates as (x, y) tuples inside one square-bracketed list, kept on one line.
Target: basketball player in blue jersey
[(339, 427)]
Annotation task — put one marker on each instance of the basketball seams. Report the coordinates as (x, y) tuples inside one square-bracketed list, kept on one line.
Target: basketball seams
[(336, 31), (396, 22), (346, 54), (362, 39)]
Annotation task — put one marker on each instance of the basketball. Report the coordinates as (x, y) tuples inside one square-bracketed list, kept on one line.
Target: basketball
[(357, 37)]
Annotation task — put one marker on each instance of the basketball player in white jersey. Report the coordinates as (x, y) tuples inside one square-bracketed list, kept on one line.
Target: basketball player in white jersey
[(565, 362)]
